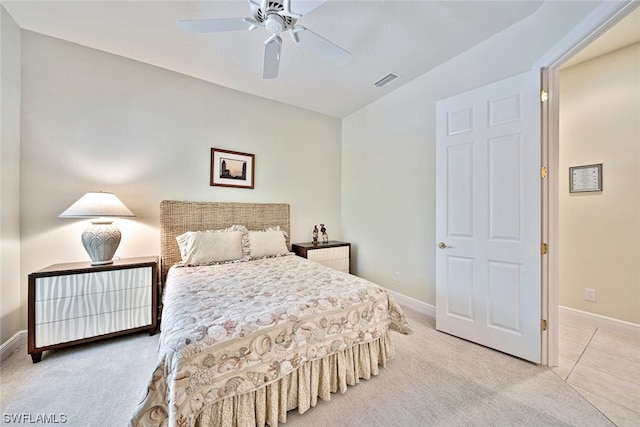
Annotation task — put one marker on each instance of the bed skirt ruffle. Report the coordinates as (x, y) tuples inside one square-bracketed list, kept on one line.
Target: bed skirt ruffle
[(301, 388)]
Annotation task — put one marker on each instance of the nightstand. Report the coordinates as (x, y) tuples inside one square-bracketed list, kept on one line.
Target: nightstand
[(75, 303), (333, 254)]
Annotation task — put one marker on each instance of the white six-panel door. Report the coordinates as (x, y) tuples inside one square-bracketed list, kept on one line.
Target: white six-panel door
[(488, 279)]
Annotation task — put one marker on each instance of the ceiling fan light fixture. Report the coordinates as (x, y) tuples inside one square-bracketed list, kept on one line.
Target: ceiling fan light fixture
[(386, 80), (275, 24)]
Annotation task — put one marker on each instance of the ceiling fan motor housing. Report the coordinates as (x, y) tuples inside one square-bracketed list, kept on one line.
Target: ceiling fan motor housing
[(268, 13)]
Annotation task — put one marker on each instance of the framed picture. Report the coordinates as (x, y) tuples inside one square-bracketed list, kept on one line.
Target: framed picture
[(585, 178), (232, 169)]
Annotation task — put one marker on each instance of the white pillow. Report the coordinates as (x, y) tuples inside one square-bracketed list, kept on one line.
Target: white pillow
[(269, 243), (213, 247)]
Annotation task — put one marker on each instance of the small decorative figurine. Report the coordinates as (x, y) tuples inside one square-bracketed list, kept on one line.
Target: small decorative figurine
[(315, 234), (325, 237)]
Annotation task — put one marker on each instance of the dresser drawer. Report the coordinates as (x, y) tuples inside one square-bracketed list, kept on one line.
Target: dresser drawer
[(54, 287), (328, 254), (55, 310), (74, 329)]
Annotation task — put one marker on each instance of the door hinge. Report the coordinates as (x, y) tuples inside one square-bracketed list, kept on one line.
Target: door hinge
[(543, 325), (544, 95), (544, 248), (543, 172)]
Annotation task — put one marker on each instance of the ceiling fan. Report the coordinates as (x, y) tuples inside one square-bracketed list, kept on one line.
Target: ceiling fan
[(276, 16)]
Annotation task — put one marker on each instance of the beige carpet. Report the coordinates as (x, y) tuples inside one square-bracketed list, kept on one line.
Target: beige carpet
[(436, 380)]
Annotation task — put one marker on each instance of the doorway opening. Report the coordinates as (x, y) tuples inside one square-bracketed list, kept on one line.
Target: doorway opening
[(602, 20)]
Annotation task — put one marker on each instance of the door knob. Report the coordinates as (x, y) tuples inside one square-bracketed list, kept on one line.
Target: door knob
[(442, 245)]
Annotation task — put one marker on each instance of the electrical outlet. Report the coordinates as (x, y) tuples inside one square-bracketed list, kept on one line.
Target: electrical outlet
[(590, 294), (396, 276)]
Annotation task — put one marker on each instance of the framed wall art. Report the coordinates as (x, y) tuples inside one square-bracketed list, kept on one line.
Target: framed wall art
[(585, 178), (232, 169)]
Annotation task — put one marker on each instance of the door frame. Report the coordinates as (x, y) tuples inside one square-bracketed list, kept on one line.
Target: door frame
[(605, 16)]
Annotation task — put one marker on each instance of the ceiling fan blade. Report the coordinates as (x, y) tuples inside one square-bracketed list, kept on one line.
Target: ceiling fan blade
[(320, 46), (216, 25), (272, 48), (297, 8)]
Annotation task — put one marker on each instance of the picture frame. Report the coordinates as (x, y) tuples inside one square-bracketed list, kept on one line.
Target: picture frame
[(585, 178), (232, 169)]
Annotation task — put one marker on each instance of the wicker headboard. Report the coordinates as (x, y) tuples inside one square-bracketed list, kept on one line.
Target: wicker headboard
[(177, 217)]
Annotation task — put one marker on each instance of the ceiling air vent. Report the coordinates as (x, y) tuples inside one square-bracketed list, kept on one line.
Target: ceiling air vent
[(386, 80)]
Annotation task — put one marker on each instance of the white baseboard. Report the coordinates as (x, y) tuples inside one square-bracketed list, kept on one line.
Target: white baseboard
[(14, 343), (596, 320), (564, 312), (414, 304)]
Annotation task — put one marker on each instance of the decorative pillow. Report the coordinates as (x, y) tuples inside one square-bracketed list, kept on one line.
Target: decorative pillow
[(271, 242), (214, 246)]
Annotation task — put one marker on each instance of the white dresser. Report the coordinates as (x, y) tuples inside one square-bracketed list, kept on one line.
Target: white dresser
[(333, 254), (74, 303)]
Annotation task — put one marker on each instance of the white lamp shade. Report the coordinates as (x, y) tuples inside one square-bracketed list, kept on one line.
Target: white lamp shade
[(96, 204), (101, 238)]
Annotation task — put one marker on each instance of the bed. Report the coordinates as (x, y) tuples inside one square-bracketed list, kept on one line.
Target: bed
[(245, 340)]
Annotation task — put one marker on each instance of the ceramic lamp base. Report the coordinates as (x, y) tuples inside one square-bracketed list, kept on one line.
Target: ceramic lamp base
[(101, 239)]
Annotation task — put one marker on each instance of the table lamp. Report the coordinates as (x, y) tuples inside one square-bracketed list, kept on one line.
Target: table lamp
[(101, 238)]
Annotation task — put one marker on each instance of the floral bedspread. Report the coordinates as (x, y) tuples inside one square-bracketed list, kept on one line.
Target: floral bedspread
[(231, 329)]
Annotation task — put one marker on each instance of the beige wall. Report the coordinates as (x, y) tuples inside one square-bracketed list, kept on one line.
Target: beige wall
[(600, 232), (96, 121), (10, 290)]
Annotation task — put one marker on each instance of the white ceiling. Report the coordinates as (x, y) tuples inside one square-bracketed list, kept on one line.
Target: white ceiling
[(407, 38)]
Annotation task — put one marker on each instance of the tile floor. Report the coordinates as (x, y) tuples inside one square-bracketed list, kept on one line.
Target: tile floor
[(602, 362)]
